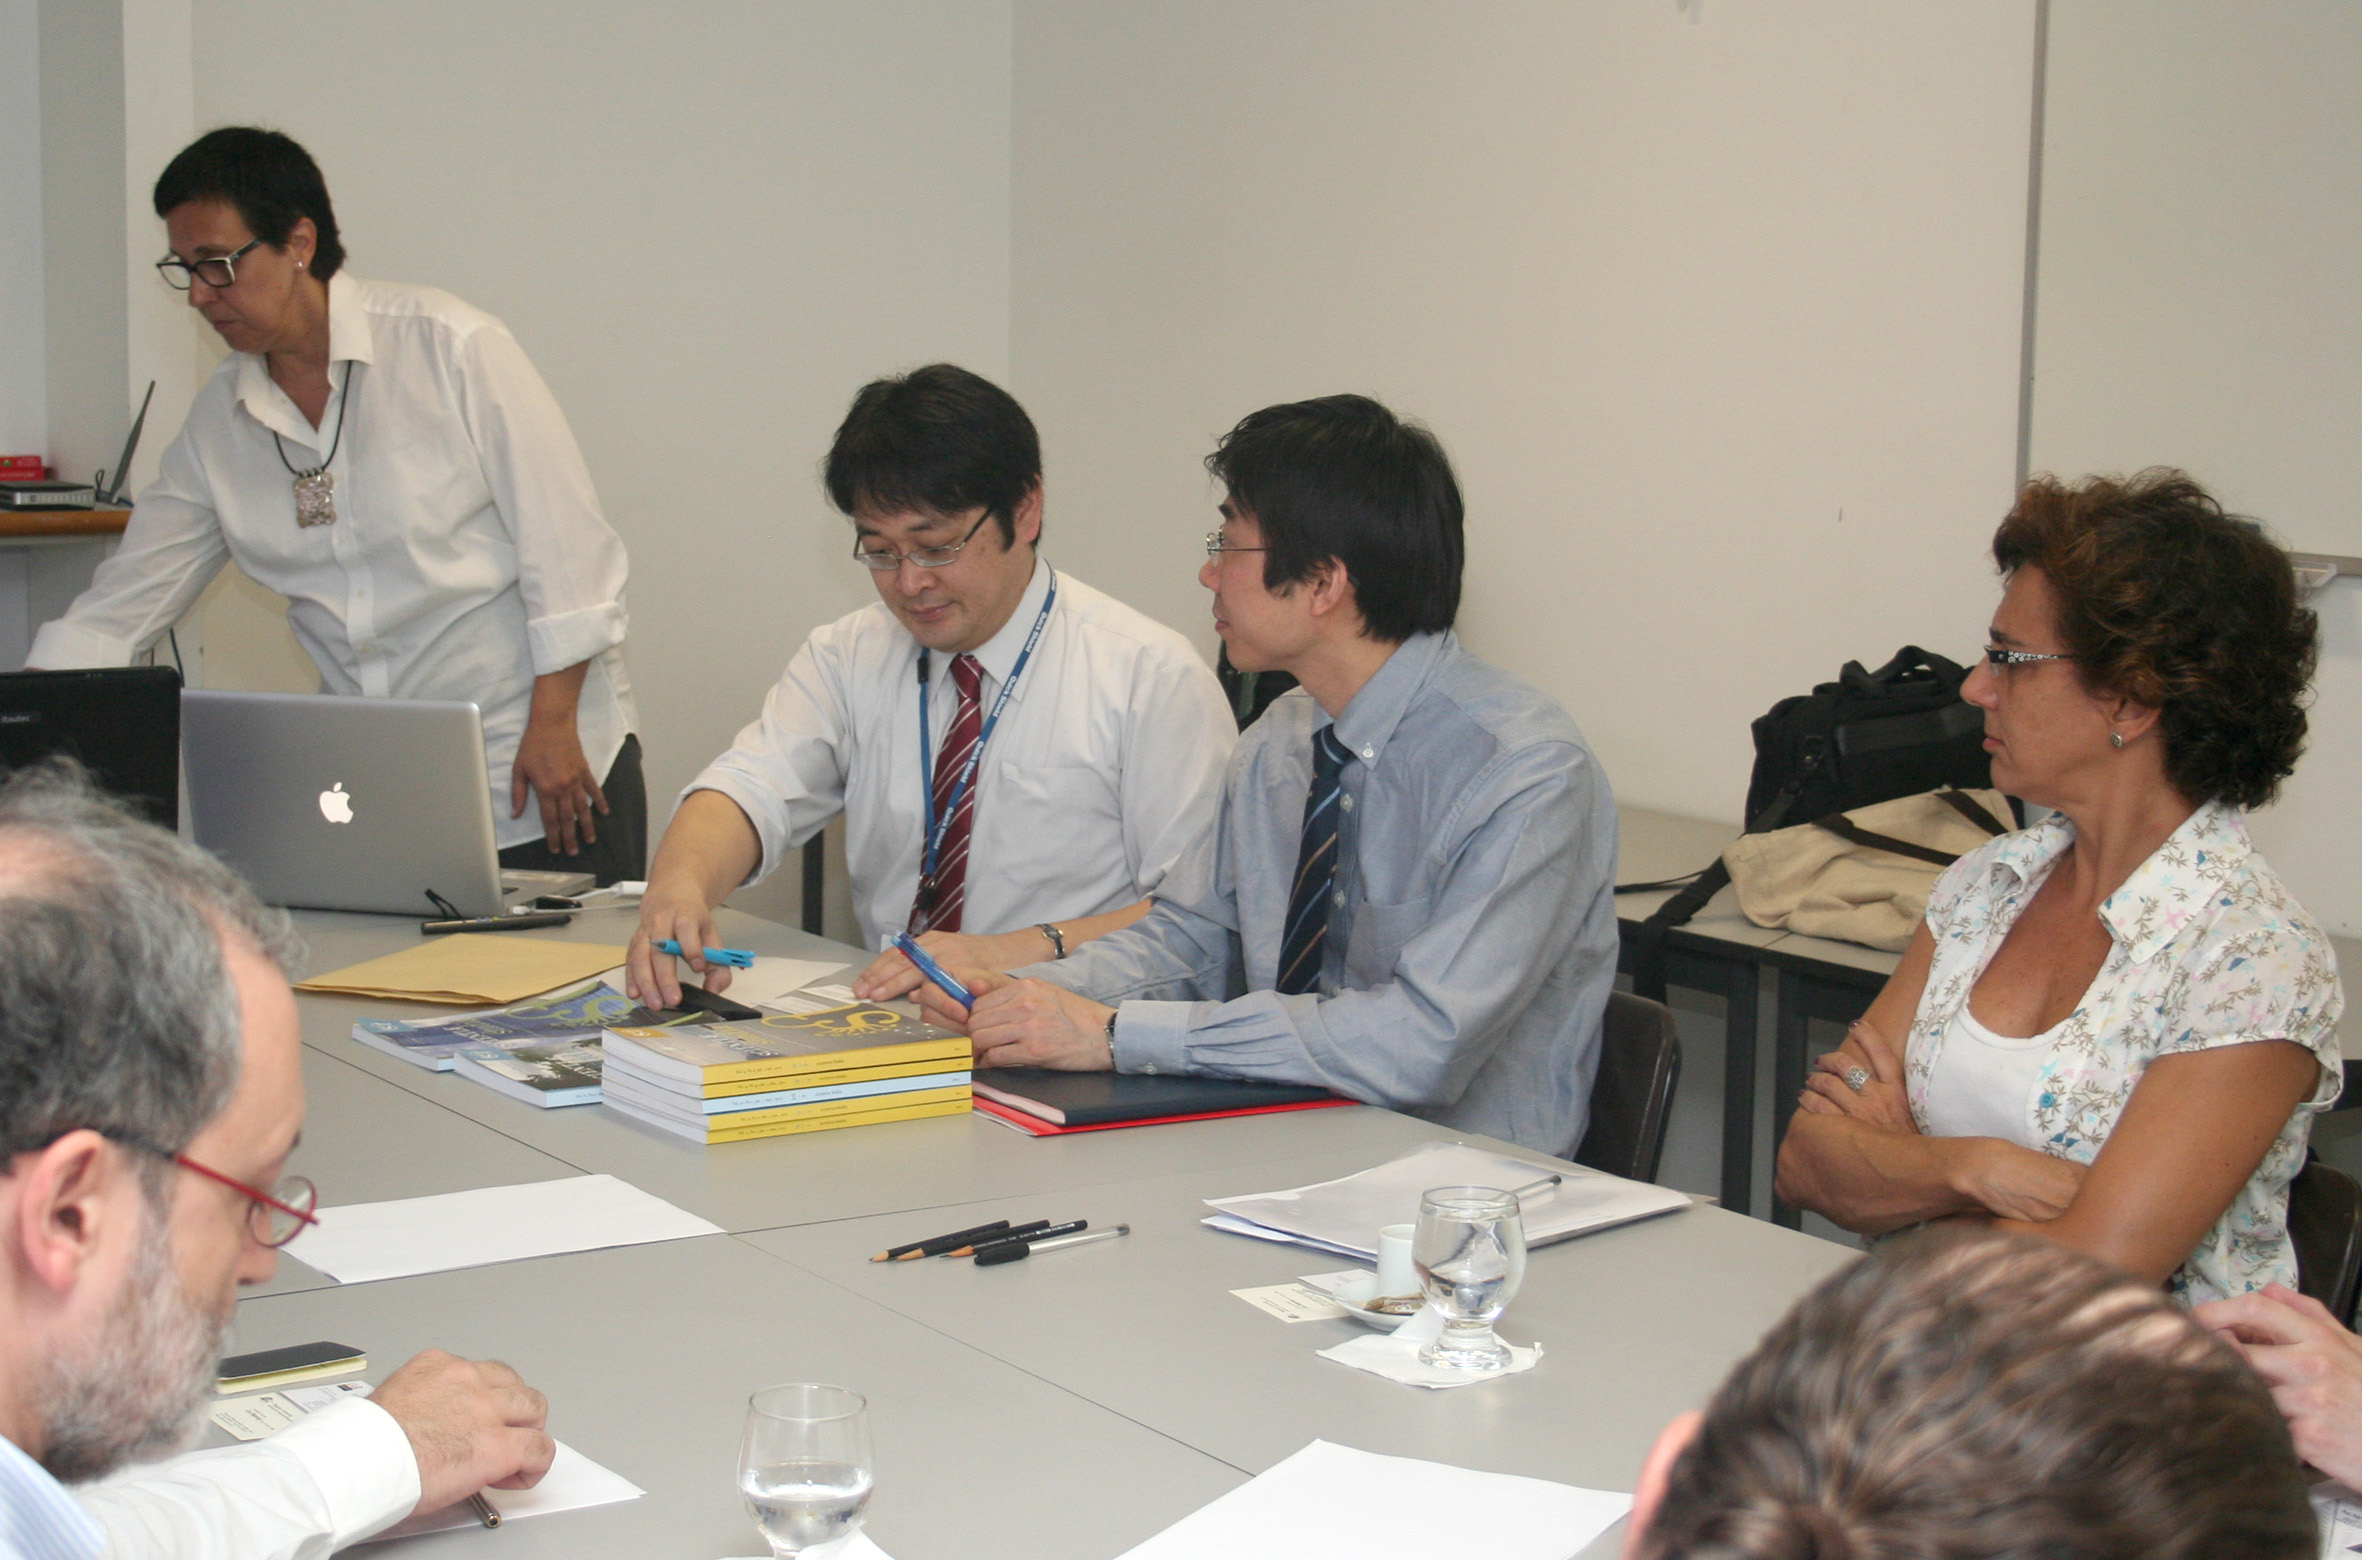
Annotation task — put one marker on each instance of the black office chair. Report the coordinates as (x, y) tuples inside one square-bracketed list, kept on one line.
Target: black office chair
[(2325, 1226), (1639, 1063)]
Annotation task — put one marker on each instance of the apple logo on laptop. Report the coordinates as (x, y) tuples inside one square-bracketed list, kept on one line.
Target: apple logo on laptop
[(335, 806)]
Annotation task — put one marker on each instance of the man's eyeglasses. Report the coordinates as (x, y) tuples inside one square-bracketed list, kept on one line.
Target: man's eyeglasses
[(217, 271), (885, 560), (1996, 656), (1216, 547), (274, 1217)]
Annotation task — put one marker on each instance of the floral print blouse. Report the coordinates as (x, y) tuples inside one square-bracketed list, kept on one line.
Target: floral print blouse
[(2210, 950)]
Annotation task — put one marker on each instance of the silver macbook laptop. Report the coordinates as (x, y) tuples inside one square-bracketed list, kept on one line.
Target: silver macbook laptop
[(333, 803)]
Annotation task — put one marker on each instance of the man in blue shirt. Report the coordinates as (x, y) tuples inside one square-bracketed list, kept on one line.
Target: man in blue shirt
[(1407, 898)]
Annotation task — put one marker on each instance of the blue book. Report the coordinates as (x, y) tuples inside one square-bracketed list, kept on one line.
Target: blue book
[(537, 1072), (581, 1010)]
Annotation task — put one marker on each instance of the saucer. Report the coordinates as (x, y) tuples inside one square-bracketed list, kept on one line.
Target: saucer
[(1354, 1291)]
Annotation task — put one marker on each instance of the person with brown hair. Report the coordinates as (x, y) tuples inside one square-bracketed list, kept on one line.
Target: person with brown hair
[(1971, 1395), (2115, 1026)]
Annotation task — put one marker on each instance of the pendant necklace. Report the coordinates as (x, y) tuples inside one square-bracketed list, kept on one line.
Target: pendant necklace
[(315, 490)]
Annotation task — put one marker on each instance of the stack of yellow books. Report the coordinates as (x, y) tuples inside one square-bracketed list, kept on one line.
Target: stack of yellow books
[(802, 1072)]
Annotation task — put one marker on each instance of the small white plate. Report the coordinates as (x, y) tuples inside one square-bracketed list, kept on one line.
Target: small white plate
[(1354, 1291)]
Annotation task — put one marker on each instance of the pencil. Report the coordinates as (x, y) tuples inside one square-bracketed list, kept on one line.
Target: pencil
[(485, 1510), (937, 1243)]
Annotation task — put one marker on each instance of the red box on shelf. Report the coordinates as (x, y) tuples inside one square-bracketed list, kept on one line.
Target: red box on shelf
[(22, 468)]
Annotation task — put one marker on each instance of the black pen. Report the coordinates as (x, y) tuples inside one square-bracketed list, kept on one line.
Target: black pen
[(936, 1245), (1027, 1237), (1031, 1230)]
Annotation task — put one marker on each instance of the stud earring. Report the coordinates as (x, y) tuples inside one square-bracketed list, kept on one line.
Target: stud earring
[(2115, 739)]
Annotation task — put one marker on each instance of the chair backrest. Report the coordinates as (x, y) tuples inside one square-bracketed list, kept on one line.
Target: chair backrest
[(1639, 1063), (2325, 1226)]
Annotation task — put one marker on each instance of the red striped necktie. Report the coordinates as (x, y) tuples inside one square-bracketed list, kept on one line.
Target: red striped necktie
[(942, 896)]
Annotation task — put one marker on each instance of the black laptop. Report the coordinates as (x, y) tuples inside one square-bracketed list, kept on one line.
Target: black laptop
[(122, 722)]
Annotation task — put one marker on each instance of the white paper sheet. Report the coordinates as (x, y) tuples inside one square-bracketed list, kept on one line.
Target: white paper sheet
[(1345, 1214), (361, 1242), (764, 985), (1332, 1500), (2339, 1512), (572, 1483)]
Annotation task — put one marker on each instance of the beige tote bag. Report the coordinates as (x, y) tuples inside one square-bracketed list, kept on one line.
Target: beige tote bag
[(1862, 876)]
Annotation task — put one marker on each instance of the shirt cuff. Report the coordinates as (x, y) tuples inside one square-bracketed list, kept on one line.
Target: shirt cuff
[(64, 646), (361, 1459), (1153, 1037), (570, 638)]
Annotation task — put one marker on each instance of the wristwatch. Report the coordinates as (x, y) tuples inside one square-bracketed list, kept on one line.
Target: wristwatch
[(1111, 1018), (1057, 938)]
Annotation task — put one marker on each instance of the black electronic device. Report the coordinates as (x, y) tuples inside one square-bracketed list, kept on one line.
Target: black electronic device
[(696, 999), (273, 1367), (121, 722)]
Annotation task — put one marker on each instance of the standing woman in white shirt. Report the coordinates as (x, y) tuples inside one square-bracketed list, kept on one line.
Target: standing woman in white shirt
[(386, 458), (2115, 1027)]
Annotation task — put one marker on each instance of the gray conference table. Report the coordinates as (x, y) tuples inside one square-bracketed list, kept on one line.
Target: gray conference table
[(1066, 1407)]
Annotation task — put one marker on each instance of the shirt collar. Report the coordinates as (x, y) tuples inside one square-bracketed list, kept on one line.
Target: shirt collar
[(2181, 880), (1369, 720), (998, 654), (2165, 893), (349, 341), (38, 1519)]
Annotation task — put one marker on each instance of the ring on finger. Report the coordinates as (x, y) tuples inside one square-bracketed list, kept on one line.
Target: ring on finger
[(1857, 1078)]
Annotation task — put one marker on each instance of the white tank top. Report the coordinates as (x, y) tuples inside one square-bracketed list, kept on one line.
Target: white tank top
[(1983, 1083)]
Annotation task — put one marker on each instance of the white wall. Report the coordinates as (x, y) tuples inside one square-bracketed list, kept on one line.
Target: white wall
[(708, 225), (24, 355), (1719, 320), (2199, 306)]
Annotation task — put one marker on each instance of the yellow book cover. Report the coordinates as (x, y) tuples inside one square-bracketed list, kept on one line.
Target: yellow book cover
[(737, 1134), (743, 1086), (785, 1045)]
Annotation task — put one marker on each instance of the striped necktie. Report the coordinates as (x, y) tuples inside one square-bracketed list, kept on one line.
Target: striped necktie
[(1316, 867), (943, 896)]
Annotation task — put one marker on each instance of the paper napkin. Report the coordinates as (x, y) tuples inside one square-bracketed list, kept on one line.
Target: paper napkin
[(1395, 1355)]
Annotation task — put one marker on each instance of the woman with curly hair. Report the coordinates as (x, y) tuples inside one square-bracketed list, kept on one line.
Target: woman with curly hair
[(2114, 1028)]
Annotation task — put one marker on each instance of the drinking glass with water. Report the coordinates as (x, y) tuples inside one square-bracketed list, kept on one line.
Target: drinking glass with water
[(804, 1466), (1470, 1252)]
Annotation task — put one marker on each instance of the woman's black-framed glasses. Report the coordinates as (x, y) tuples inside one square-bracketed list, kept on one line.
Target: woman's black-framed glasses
[(273, 1218), (214, 271), (1996, 656)]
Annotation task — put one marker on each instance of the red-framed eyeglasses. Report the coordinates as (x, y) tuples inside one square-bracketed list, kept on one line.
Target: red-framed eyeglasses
[(274, 1217)]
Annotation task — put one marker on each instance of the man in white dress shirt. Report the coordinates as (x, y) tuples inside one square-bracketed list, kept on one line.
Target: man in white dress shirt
[(1019, 758), (387, 459), (151, 1089)]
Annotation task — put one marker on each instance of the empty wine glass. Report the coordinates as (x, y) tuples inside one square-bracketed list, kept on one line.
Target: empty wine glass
[(804, 1466), (1470, 1253)]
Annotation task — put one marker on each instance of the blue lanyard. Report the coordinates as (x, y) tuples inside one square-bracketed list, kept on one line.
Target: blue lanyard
[(938, 827)]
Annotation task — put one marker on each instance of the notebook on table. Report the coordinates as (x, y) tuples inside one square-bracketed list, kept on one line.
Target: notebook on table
[(329, 802), (1045, 1102)]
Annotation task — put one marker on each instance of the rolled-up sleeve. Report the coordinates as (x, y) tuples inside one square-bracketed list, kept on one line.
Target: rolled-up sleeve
[(786, 770), (171, 549), (571, 567), (329, 1480)]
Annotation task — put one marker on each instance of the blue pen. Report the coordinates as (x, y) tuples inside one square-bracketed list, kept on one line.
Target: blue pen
[(736, 958), (933, 971)]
